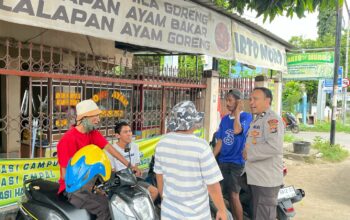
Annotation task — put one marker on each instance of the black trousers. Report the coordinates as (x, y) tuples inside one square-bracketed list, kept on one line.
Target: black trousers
[(95, 204), (264, 202)]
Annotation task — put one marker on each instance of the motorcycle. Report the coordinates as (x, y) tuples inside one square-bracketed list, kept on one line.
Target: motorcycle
[(127, 200), (287, 196), (290, 122)]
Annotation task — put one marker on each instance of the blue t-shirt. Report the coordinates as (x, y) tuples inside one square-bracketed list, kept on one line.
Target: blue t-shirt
[(232, 145)]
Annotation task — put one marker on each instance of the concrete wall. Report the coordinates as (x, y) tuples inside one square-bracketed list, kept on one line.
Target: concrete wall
[(10, 107), (211, 115), (2, 112)]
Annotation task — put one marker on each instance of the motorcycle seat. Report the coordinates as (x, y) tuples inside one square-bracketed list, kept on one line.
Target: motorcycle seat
[(46, 192)]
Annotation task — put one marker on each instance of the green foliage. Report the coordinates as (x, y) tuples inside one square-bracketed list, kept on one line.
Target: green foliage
[(248, 74), (326, 22), (270, 9), (188, 66), (311, 90), (335, 153), (291, 96), (323, 126), (300, 42), (289, 138), (224, 68), (222, 3), (118, 70)]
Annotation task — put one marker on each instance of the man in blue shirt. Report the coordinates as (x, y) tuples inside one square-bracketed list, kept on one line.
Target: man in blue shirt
[(229, 147)]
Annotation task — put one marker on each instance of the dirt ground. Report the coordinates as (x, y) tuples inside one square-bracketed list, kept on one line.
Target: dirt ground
[(327, 189)]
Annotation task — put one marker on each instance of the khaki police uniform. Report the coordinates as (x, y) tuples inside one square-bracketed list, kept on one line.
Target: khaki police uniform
[(264, 165)]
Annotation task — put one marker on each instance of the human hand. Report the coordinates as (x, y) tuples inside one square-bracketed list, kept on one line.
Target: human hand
[(221, 215), (98, 191), (244, 153), (239, 108), (136, 171)]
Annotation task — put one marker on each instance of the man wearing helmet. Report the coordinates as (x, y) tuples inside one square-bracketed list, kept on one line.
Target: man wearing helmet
[(83, 133)]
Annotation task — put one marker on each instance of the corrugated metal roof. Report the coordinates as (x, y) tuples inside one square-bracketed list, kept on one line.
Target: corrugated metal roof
[(211, 5)]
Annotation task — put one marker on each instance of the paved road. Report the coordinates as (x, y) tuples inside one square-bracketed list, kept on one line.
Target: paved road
[(326, 187), (340, 137)]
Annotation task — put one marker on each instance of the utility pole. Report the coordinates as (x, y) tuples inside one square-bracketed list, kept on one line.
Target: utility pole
[(345, 73), (339, 9)]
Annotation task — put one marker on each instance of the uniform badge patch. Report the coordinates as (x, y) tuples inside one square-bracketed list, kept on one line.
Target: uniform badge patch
[(255, 133), (273, 124)]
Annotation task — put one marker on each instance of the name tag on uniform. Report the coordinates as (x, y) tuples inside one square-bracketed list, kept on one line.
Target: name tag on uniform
[(256, 127)]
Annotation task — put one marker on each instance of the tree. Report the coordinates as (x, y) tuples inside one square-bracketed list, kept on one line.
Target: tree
[(291, 96), (188, 66), (311, 88), (326, 22), (224, 68), (270, 8)]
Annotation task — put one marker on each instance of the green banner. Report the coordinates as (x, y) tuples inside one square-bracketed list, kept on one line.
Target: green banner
[(147, 147), (14, 171), (310, 66)]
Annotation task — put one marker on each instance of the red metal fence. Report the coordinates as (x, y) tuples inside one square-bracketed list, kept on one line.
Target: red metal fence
[(245, 85), (53, 80)]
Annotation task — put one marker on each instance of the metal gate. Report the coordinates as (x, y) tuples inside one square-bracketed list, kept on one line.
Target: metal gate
[(51, 81), (245, 85)]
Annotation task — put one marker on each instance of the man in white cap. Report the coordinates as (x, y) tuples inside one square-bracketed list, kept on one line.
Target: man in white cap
[(78, 136)]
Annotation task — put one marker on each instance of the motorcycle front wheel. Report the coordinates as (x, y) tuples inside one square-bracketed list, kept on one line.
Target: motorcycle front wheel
[(295, 129)]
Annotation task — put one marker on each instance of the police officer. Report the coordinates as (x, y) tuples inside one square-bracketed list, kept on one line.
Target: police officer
[(263, 153)]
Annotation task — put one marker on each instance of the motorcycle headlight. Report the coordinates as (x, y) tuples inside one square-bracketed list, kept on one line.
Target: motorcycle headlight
[(123, 207), (144, 208)]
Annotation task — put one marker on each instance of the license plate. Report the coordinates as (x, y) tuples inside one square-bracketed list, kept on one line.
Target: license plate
[(286, 193)]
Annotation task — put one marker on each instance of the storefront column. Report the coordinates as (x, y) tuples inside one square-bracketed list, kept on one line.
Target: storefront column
[(211, 103), (277, 95), (261, 81), (275, 85), (10, 106)]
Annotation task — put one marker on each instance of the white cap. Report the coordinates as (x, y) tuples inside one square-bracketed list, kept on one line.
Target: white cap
[(87, 108)]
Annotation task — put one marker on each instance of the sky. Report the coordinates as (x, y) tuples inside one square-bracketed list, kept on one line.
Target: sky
[(286, 27)]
